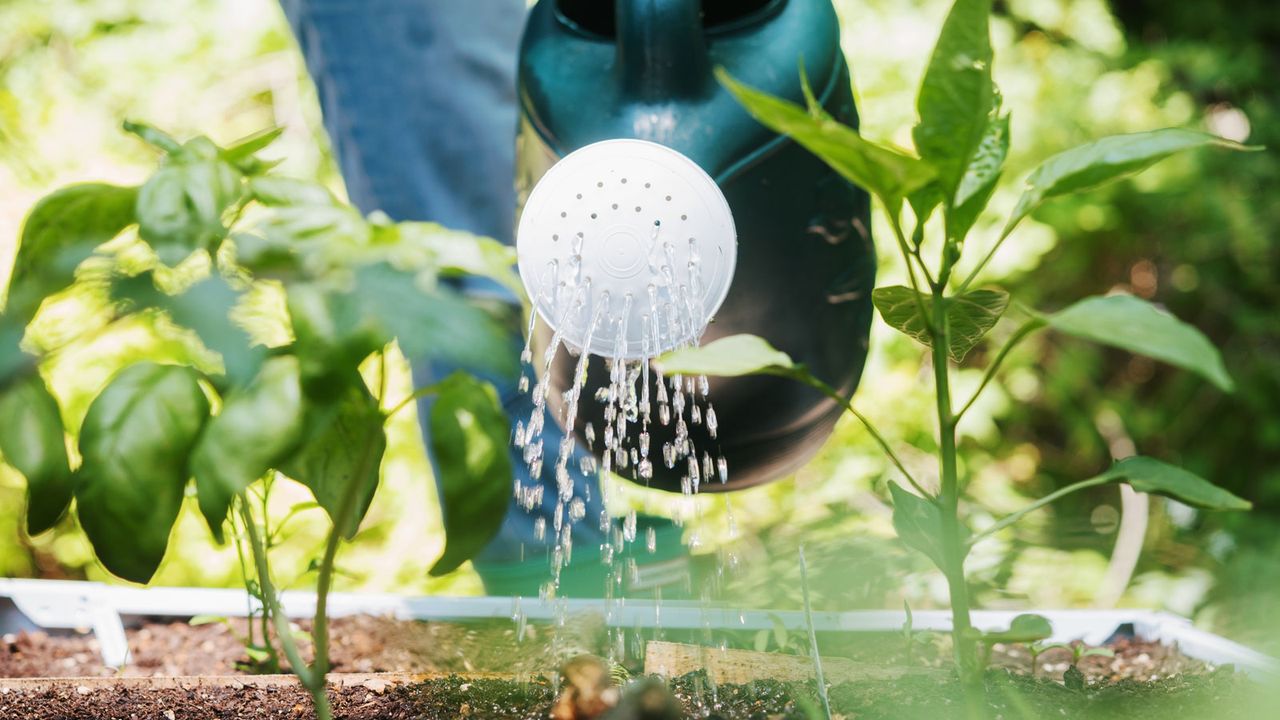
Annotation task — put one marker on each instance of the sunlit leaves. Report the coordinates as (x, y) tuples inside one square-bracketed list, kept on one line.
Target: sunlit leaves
[(980, 178), (969, 315), (33, 442), (259, 423), (889, 174), (469, 434), (955, 97), (1149, 475), (181, 206), (1129, 323), (728, 357), (61, 231), (134, 443), (1110, 158)]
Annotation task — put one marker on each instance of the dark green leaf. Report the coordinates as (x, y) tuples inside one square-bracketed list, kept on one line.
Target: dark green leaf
[(436, 322), (980, 178), (275, 191), (244, 147), (34, 443), (181, 205), (135, 441), (956, 94), (1025, 628), (62, 230), (1101, 161), (205, 308), (332, 337), (341, 454), (727, 357), (1132, 324), (12, 359), (887, 173), (969, 316), (918, 523), (469, 434), (257, 426), (1149, 475)]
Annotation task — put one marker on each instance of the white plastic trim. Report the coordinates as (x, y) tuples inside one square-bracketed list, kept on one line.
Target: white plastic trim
[(71, 604)]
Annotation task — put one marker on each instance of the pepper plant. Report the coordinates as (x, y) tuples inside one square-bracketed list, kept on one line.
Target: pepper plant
[(961, 141), (199, 245)]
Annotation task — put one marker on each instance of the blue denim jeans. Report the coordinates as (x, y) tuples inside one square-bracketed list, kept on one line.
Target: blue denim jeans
[(419, 99)]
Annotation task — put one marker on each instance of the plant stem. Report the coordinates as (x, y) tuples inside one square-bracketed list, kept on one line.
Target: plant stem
[(314, 683), (953, 545), (1014, 517)]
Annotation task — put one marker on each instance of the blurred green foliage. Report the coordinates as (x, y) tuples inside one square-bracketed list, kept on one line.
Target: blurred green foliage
[(1197, 234)]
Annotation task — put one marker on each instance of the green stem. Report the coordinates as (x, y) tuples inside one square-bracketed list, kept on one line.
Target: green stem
[(1018, 336), (315, 684), (1012, 518), (415, 395), (973, 274), (953, 546)]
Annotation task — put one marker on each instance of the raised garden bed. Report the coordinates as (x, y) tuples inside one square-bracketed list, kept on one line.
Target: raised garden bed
[(400, 657)]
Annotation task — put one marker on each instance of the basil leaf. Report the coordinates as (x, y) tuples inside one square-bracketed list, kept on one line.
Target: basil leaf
[(257, 426), (727, 357), (135, 441), (34, 443), (469, 434)]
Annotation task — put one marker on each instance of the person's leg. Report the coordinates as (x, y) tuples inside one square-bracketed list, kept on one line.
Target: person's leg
[(419, 99)]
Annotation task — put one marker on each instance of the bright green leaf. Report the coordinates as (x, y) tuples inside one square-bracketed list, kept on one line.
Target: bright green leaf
[(62, 230), (969, 316), (1149, 475), (273, 190), (135, 441), (153, 136), (1111, 158), (198, 620), (455, 252), (956, 94), (728, 357), (180, 207), (246, 146), (341, 454), (918, 522), (889, 174), (980, 178), (1025, 628), (258, 425), (469, 433), (1129, 323), (34, 443)]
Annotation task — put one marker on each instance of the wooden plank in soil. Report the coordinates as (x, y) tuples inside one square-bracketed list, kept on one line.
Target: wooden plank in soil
[(738, 667)]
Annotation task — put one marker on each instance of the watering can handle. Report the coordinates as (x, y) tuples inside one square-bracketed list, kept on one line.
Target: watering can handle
[(662, 52)]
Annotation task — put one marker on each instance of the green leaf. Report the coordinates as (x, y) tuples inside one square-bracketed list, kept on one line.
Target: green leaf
[(980, 178), (206, 309), (889, 174), (728, 357), (181, 205), (956, 94), (275, 191), (469, 433), (1025, 628), (1149, 475), (198, 620), (135, 441), (455, 252), (243, 148), (1129, 323), (62, 230), (969, 315), (154, 137), (1111, 158), (342, 453), (918, 522), (257, 426), (34, 443), (436, 322), (13, 361)]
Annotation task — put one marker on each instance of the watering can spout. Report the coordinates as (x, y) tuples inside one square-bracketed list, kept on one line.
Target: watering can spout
[(661, 49)]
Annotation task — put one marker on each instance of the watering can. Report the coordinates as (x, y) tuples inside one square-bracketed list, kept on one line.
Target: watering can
[(804, 264)]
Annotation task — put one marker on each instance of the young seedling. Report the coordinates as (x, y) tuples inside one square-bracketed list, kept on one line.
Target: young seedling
[(1078, 652), (198, 246), (911, 637), (961, 141)]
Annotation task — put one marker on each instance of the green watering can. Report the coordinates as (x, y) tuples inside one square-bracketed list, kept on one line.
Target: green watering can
[(594, 70)]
